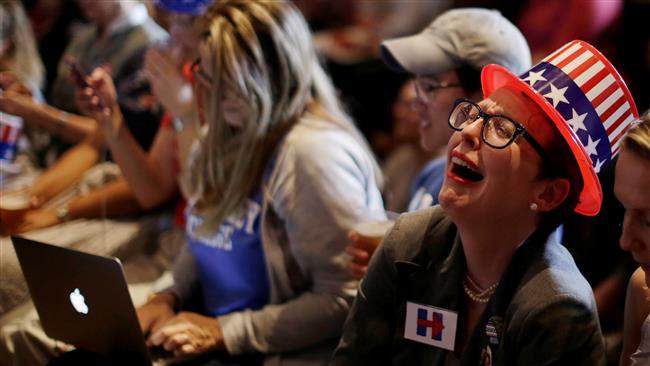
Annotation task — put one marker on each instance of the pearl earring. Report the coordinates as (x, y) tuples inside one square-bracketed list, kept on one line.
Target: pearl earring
[(533, 206)]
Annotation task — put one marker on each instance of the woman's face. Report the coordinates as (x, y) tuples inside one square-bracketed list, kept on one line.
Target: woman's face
[(406, 119), (235, 109), (631, 189), (502, 182)]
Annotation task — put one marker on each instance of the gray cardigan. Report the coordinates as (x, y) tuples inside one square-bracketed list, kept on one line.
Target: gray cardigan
[(322, 184), (543, 312)]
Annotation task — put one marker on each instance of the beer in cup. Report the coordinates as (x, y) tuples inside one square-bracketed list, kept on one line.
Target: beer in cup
[(13, 206), (371, 233)]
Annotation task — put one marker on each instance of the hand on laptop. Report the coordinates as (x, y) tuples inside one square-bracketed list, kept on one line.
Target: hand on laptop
[(188, 334), (156, 311)]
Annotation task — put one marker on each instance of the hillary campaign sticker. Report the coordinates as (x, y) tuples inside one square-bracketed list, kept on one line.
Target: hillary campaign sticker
[(430, 325)]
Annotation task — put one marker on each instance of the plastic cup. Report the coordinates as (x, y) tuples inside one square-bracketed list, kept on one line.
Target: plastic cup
[(371, 233), (13, 207)]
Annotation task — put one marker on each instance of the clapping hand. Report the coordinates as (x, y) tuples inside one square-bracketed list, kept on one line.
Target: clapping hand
[(167, 83)]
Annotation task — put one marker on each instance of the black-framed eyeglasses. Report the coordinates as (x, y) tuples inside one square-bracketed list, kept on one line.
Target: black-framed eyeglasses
[(199, 75), (427, 88), (497, 131)]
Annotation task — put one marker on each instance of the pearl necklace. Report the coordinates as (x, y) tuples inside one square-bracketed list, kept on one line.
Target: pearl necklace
[(475, 292)]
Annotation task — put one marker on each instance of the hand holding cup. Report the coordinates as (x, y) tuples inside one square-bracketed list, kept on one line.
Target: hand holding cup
[(364, 238), (13, 207)]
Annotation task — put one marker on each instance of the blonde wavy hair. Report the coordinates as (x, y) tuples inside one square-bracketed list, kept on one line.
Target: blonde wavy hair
[(23, 59), (263, 51), (637, 139)]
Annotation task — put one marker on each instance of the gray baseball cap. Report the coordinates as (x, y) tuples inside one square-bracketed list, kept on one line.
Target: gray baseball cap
[(467, 36)]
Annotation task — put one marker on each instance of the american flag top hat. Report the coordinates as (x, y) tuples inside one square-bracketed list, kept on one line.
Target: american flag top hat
[(10, 127), (586, 98)]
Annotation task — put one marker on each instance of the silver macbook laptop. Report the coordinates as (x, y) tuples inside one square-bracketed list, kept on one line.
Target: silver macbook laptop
[(82, 299)]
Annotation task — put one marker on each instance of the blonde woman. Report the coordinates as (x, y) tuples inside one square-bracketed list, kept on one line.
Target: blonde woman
[(631, 189), (279, 175)]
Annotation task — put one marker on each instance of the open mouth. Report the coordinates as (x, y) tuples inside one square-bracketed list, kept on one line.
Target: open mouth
[(464, 171)]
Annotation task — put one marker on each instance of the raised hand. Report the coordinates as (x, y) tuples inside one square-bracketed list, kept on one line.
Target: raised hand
[(98, 100), (167, 83)]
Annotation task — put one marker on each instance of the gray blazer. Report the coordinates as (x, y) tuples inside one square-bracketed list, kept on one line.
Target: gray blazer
[(543, 312)]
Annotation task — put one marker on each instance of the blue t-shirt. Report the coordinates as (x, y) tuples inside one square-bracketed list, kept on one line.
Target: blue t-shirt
[(427, 184), (231, 262)]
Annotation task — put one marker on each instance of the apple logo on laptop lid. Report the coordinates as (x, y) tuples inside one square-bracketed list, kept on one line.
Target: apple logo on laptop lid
[(78, 302)]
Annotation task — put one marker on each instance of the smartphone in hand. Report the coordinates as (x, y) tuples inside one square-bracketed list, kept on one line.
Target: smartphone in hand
[(78, 75), (79, 78)]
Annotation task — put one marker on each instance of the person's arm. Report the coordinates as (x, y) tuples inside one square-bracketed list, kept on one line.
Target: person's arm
[(112, 200), (151, 175), (323, 186), (115, 199), (69, 127), (637, 308), (69, 169)]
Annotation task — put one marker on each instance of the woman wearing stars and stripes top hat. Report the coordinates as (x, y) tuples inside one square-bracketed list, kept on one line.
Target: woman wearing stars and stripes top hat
[(481, 279)]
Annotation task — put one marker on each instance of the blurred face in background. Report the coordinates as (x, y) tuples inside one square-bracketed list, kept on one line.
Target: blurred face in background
[(406, 119), (631, 187), (234, 107), (435, 98), (99, 12)]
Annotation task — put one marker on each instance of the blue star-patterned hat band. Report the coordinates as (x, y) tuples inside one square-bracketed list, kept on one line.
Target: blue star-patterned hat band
[(191, 7), (586, 98)]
